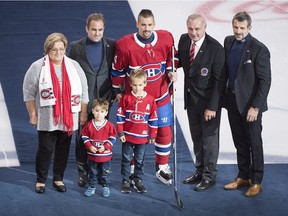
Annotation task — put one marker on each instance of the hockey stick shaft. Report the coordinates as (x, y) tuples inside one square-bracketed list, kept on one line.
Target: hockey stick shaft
[(178, 199)]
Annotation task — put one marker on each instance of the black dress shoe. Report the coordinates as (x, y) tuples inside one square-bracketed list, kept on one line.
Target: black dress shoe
[(59, 188), (40, 189), (203, 185), (196, 177)]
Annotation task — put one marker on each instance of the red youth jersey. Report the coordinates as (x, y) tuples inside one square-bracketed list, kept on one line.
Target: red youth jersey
[(155, 58), (98, 136), (137, 118)]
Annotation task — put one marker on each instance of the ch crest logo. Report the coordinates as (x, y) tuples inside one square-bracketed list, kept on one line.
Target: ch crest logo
[(137, 117), (153, 71), (47, 94)]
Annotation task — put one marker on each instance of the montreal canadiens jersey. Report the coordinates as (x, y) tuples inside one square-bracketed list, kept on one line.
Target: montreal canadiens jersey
[(93, 135), (137, 118), (155, 58)]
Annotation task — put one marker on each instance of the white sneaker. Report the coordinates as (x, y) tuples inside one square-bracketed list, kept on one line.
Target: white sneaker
[(164, 174), (105, 191), (89, 192)]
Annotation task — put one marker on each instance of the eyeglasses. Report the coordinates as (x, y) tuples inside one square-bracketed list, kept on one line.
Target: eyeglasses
[(61, 50)]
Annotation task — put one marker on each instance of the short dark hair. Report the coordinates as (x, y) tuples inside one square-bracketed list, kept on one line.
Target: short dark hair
[(145, 13), (241, 17), (96, 17)]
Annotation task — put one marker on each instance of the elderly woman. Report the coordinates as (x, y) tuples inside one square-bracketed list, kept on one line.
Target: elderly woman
[(56, 96)]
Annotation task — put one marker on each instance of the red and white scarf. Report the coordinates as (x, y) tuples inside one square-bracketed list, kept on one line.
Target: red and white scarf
[(50, 91)]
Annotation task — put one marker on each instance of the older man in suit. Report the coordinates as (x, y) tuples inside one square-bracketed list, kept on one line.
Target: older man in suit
[(95, 54), (249, 80), (202, 59)]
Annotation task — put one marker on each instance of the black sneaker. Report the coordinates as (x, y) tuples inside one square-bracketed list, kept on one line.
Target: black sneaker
[(139, 186), (125, 188), (83, 181), (83, 170), (131, 178)]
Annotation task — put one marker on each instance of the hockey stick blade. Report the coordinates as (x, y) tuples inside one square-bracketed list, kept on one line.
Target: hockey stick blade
[(178, 200)]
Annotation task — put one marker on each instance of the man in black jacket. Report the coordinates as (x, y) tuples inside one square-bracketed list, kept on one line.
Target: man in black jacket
[(95, 54), (249, 81), (202, 59)]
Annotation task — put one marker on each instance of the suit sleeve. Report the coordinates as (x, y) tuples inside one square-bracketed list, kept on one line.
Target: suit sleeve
[(178, 53), (218, 79), (71, 53), (263, 76)]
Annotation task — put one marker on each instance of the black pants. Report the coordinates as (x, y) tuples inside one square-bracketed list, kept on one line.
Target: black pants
[(81, 151), (248, 142), (205, 137), (57, 142)]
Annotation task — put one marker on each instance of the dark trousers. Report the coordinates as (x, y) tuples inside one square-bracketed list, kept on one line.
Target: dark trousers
[(205, 137), (139, 151), (81, 151), (57, 142), (248, 142), (81, 154)]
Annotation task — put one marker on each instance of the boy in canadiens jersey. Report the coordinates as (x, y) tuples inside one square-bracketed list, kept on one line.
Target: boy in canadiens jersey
[(99, 135), (137, 123)]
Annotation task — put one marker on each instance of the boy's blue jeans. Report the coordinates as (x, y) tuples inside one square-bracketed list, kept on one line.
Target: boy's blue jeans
[(139, 151)]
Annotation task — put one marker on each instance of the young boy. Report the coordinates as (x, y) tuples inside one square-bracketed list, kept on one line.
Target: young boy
[(136, 120), (99, 135)]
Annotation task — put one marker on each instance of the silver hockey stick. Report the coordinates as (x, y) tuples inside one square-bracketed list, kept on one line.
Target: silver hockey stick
[(178, 199)]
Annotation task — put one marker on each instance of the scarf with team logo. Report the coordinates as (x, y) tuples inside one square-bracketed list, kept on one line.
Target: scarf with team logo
[(50, 91)]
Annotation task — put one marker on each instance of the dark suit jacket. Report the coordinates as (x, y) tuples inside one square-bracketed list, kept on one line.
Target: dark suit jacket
[(205, 78), (99, 85), (253, 78)]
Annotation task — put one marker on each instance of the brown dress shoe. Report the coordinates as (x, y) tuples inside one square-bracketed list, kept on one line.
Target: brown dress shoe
[(238, 182), (254, 190)]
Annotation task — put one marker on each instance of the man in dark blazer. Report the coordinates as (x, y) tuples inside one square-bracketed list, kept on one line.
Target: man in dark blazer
[(204, 85), (95, 54), (249, 81)]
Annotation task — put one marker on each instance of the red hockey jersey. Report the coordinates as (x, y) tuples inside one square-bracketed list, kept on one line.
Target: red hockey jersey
[(155, 58), (93, 135), (137, 118)]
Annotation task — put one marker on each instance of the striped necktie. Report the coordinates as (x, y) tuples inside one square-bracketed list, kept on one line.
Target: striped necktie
[(192, 53)]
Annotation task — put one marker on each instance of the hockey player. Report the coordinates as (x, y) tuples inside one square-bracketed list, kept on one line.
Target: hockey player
[(151, 51)]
